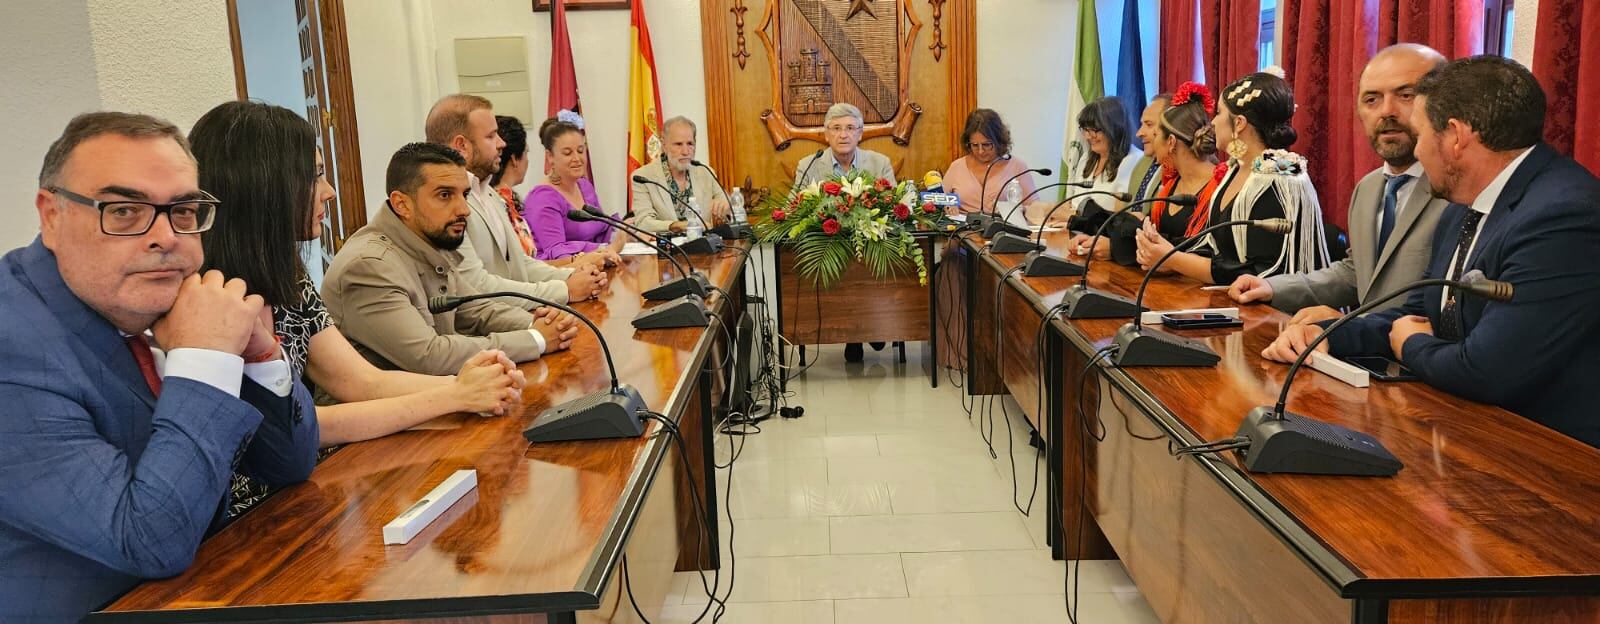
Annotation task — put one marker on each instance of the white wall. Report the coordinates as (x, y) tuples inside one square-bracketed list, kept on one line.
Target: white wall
[(1522, 35), (168, 58), (270, 37), (402, 58)]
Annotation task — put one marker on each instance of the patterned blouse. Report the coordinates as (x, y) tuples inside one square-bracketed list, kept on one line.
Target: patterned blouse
[(295, 325)]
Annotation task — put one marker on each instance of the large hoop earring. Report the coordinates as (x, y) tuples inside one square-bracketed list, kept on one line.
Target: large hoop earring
[(1237, 149), (555, 179)]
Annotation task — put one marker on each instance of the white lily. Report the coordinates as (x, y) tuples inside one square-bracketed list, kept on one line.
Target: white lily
[(811, 190), (856, 187)]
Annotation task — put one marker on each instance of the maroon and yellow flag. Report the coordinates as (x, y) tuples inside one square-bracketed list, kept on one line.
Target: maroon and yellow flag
[(644, 97)]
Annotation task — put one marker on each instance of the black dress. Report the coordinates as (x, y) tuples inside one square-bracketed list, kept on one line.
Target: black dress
[(1265, 248)]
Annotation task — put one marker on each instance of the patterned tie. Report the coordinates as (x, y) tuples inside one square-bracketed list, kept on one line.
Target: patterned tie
[(147, 362), (1450, 317), (1391, 194)]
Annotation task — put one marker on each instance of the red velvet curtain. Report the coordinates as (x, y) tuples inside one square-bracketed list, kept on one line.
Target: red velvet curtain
[(1453, 27), (1566, 58), (1325, 46), (1230, 32), (1179, 42)]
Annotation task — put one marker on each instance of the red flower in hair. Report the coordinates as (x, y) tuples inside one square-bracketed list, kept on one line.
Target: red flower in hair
[(1191, 91), (830, 227)]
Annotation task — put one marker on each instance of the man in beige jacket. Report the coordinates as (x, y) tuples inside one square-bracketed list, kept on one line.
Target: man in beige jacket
[(655, 209), (378, 286), (491, 258)]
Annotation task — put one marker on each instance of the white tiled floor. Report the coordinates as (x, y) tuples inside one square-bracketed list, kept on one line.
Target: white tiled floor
[(883, 504)]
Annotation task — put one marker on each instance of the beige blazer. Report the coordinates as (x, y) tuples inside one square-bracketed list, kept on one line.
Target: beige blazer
[(492, 259), (655, 211), (1348, 282), (866, 160), (377, 292)]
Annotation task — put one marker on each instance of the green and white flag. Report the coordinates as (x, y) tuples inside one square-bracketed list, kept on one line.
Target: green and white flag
[(1088, 85)]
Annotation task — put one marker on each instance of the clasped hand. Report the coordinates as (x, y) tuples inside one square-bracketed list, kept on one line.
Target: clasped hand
[(558, 328), (216, 313)]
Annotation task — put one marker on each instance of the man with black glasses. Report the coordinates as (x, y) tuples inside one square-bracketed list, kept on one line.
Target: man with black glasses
[(132, 385)]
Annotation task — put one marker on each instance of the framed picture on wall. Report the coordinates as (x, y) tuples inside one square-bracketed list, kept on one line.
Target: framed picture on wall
[(585, 5)]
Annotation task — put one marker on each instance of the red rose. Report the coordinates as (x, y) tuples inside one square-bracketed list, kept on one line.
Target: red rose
[(779, 215), (902, 212), (930, 208), (882, 184), (830, 227), (832, 188)]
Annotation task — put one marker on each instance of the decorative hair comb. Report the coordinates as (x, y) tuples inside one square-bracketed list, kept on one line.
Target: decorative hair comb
[(1189, 91), (570, 117), (1241, 101)]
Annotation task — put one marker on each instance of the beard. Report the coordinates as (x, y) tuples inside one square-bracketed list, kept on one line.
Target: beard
[(1398, 152), (485, 167), (1444, 186), (443, 240)]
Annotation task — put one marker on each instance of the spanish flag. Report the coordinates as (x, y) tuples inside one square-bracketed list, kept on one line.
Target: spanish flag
[(644, 98)]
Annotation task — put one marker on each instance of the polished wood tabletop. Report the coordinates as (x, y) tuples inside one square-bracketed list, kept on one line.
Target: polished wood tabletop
[(1488, 501), (540, 533)]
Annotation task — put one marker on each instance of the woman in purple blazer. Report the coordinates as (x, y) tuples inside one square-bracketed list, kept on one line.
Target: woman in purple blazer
[(566, 188)]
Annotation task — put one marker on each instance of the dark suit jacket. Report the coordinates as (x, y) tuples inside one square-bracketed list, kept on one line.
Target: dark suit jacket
[(101, 484), (1539, 354)]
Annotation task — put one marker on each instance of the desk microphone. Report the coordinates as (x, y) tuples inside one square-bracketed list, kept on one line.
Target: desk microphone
[(1040, 262), (1136, 347), (709, 242), (1085, 302), (612, 413), (987, 221), (1015, 239), (690, 282), (800, 177), (983, 189), (1282, 441), (726, 230)]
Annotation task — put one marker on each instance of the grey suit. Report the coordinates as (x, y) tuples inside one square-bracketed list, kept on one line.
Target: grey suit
[(866, 160), (492, 259), (655, 211), (1348, 282)]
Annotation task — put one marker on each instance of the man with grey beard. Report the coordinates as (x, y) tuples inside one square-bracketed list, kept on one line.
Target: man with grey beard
[(1391, 224)]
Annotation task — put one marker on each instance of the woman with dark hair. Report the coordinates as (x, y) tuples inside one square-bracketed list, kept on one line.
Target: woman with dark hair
[(566, 188), (1263, 181), (262, 163), (1184, 144), (1108, 158), (513, 170), (987, 141)]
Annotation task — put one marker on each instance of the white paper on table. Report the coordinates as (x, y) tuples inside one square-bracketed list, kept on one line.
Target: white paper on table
[(637, 249), (961, 217), (1050, 228)]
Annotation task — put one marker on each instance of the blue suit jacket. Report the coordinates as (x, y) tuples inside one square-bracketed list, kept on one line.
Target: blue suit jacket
[(1539, 354), (100, 483)]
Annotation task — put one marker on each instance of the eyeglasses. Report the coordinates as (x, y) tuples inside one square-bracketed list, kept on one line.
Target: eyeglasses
[(123, 217), (843, 129)]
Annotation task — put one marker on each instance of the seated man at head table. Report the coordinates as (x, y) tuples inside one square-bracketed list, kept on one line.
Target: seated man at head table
[(663, 208), (1523, 214), (133, 385), (378, 286), (1392, 214), (842, 128), (492, 257)]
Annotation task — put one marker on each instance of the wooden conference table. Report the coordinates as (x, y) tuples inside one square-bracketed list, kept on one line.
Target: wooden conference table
[(1493, 519), (542, 537)]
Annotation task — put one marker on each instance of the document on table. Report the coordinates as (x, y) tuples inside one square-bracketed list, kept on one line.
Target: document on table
[(1048, 228), (637, 249)]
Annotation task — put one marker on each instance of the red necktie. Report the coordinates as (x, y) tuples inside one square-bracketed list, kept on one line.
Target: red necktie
[(147, 362)]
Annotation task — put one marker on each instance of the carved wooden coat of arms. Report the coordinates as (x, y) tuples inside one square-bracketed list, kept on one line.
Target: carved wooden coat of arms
[(826, 51)]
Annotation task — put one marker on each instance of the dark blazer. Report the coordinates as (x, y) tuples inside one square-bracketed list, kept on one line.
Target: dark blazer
[(1539, 354), (101, 484)]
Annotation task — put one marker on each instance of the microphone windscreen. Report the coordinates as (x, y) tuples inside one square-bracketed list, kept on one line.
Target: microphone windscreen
[(641, 179), (696, 163), (1190, 200), (1482, 286), (932, 179), (1276, 226), (1044, 171), (579, 215), (595, 211), (440, 304)]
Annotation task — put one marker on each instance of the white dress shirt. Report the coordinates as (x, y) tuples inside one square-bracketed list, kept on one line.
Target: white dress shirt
[(1482, 204), (223, 371)]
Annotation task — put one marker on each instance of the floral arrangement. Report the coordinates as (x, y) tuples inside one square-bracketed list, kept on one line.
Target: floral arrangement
[(1280, 162), (1195, 92), (852, 216)]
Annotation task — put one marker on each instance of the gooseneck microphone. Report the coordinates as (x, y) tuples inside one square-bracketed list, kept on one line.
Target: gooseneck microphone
[(1009, 241), (1281, 441), (611, 413), (983, 189), (726, 230), (690, 282), (1084, 302), (713, 242), (989, 222), (1136, 347), (801, 176)]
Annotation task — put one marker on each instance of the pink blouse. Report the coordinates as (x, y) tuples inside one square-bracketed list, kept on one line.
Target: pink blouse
[(960, 180)]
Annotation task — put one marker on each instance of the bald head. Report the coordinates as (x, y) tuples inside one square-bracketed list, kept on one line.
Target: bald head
[(467, 124), (1385, 95)]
